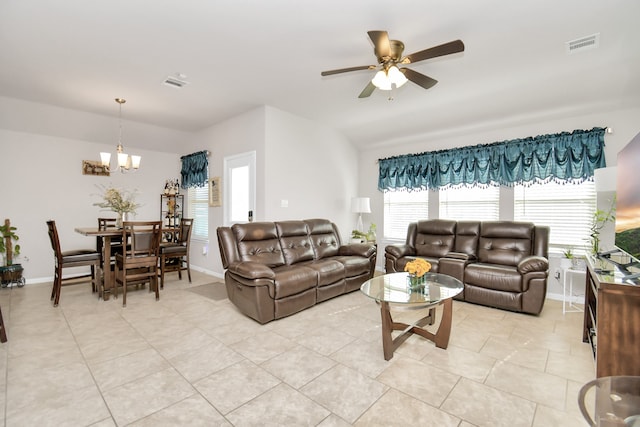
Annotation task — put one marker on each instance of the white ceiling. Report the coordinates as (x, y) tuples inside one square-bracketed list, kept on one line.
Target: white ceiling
[(239, 54)]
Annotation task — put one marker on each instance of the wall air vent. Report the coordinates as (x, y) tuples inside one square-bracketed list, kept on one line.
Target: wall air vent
[(583, 43), (175, 82)]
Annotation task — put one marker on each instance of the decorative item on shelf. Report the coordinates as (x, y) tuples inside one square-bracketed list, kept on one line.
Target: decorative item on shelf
[(171, 187), (599, 220), (358, 236), (120, 201), (126, 163), (371, 234), (567, 258), (417, 270), (10, 272)]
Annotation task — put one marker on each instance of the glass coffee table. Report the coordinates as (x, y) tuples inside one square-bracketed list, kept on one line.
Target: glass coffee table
[(394, 290)]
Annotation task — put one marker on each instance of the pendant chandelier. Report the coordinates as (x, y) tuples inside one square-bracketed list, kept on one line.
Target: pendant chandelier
[(126, 163)]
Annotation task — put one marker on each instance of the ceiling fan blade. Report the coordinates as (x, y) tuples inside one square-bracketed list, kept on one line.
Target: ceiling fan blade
[(380, 40), (418, 78), (346, 70), (433, 52), (367, 91)]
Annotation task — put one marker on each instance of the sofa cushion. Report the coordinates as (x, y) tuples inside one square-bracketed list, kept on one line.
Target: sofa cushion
[(324, 239), (354, 266), (435, 238), (293, 279), (493, 276), (329, 270), (294, 240), (505, 242), (467, 235), (258, 242)]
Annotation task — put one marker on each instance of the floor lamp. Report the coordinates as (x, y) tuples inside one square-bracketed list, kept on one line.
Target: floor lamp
[(360, 205)]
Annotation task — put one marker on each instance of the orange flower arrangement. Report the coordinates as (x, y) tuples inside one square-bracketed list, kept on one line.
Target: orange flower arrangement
[(418, 267)]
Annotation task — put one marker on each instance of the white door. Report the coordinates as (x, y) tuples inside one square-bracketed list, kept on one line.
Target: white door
[(240, 187)]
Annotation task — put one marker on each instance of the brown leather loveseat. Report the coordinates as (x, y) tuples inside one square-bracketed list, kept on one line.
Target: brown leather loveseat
[(502, 264), (275, 269)]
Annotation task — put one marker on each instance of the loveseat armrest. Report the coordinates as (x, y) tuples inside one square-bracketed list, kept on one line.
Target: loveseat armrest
[(360, 249), (252, 270), (533, 263), (461, 256), (399, 251)]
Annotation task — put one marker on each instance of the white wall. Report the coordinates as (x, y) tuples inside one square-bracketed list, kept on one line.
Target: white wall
[(240, 134), (31, 117), (43, 178), (312, 167), (42, 148)]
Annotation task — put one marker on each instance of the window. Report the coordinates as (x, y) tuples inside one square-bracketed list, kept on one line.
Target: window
[(198, 209), (239, 185), (473, 204), (566, 208), (402, 208)]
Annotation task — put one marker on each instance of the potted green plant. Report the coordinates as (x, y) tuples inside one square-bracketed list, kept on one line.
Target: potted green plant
[(567, 258), (599, 220), (358, 236), (371, 234), (9, 272)]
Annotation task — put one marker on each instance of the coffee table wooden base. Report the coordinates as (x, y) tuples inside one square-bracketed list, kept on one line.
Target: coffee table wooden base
[(440, 338)]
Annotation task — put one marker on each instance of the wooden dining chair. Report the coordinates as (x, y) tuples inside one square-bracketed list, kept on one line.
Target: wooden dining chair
[(174, 256), (73, 258), (3, 329), (116, 242), (138, 262)]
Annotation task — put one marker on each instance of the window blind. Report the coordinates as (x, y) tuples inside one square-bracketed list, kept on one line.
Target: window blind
[(567, 209), (198, 209), (472, 204), (402, 208)]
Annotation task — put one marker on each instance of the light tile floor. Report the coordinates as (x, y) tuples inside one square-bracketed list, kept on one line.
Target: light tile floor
[(190, 360)]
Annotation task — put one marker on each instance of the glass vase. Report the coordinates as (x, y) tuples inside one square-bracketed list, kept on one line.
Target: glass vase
[(121, 218), (416, 281)]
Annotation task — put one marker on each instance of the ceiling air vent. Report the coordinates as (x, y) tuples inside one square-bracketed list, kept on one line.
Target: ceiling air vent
[(583, 43), (175, 82)]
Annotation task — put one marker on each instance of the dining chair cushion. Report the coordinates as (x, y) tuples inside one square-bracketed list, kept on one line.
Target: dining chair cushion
[(80, 255), (173, 249)]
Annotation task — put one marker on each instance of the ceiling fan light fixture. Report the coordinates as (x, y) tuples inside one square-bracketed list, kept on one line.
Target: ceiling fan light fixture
[(396, 76), (385, 79), (381, 81)]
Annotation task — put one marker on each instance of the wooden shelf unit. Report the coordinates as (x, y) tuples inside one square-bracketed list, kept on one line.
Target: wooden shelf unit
[(612, 319), (171, 212)]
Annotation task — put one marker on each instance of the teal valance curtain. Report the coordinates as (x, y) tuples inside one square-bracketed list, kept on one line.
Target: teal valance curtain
[(195, 169), (563, 157)]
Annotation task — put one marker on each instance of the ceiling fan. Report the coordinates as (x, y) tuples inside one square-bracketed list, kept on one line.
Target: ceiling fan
[(389, 54)]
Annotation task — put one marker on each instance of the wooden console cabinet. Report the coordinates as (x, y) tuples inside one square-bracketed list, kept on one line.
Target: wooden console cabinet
[(612, 319)]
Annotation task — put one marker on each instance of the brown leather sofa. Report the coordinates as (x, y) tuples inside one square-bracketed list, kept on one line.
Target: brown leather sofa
[(275, 269), (502, 264)]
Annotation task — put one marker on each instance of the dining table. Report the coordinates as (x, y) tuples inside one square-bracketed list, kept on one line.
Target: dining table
[(108, 277)]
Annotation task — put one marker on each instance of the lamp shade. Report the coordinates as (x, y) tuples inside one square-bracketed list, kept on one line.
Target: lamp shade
[(606, 178), (105, 158), (360, 205)]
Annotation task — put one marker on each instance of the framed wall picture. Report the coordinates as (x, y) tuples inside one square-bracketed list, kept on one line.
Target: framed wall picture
[(215, 192), (92, 167)]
